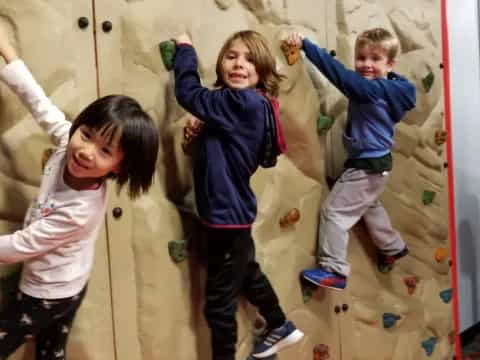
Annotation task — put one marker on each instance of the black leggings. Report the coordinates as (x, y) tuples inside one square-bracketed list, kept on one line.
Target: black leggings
[(49, 321), (232, 271)]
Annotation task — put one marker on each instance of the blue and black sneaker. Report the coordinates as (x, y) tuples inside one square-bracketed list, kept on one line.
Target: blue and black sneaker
[(277, 339)]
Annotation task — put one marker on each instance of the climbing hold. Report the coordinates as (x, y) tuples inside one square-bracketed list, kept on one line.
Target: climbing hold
[(167, 51), (441, 254), (429, 345), (291, 52), (46, 155), (411, 283), (389, 320), (428, 197), (307, 290), (178, 250), (290, 218), (451, 337), (427, 81), (321, 352), (440, 137), (224, 4), (446, 295), (324, 123)]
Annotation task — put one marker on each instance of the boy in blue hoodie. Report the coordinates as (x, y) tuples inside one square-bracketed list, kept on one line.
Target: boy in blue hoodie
[(378, 100)]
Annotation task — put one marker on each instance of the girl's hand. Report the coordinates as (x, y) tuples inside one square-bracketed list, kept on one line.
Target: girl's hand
[(192, 129), (7, 51), (183, 39), (295, 39)]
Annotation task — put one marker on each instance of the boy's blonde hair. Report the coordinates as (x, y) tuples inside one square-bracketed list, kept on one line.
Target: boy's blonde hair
[(268, 77), (379, 37)]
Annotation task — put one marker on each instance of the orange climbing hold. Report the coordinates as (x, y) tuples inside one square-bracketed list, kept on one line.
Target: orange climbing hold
[(291, 52), (441, 254), (440, 137), (290, 218)]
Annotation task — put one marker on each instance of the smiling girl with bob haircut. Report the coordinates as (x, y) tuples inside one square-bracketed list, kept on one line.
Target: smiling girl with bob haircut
[(56, 245)]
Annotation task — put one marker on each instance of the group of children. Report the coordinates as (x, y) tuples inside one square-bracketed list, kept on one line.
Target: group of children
[(236, 130)]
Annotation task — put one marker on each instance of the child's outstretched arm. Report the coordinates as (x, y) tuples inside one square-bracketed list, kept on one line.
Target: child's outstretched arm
[(349, 82), (17, 76), (214, 107)]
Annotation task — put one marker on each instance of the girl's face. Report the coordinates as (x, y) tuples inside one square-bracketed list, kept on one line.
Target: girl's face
[(91, 156), (237, 69)]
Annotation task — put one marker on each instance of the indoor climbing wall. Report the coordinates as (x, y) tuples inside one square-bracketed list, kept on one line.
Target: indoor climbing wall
[(146, 295)]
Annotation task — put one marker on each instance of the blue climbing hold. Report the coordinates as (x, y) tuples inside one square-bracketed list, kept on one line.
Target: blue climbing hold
[(389, 320), (446, 295), (429, 345)]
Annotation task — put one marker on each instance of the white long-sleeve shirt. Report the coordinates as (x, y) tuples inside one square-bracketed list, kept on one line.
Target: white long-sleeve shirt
[(58, 239)]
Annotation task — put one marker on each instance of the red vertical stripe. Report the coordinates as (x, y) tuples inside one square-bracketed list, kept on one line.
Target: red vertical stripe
[(451, 198)]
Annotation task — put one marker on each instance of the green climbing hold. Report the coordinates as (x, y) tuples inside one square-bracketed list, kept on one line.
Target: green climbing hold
[(389, 320), (446, 295), (307, 291), (324, 123), (429, 345), (167, 51), (428, 197), (427, 81), (178, 250)]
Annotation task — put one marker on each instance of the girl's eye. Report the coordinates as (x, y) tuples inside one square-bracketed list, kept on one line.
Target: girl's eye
[(106, 151), (85, 134)]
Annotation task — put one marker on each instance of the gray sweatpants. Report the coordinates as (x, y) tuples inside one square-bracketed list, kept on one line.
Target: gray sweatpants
[(355, 194)]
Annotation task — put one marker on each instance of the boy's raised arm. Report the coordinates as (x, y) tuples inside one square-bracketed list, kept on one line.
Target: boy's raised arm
[(19, 79)]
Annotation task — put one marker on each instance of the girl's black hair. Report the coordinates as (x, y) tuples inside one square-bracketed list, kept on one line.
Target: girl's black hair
[(139, 139)]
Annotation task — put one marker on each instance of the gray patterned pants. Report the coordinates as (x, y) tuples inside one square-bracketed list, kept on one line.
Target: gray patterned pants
[(47, 320), (354, 195)]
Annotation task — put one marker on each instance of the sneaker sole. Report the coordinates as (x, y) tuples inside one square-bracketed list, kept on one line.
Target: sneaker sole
[(323, 285), (291, 339)]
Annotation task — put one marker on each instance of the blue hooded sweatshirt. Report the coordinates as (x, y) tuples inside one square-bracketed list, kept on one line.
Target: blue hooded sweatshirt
[(229, 146), (375, 106)]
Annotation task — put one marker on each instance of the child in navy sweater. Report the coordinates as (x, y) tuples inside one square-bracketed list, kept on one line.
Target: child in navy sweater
[(237, 116), (378, 100)]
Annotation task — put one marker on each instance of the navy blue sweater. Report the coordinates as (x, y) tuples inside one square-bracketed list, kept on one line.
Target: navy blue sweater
[(375, 106), (229, 146)]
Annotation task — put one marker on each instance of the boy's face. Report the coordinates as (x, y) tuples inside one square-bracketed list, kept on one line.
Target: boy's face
[(371, 62), (237, 69)]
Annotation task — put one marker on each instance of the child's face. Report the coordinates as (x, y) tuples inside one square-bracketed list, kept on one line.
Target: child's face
[(372, 62), (238, 70), (91, 156)]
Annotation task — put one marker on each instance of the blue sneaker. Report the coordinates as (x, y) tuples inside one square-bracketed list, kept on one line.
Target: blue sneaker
[(277, 339), (322, 277)]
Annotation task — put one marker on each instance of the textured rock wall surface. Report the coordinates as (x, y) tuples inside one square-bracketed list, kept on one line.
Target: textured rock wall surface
[(143, 305)]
